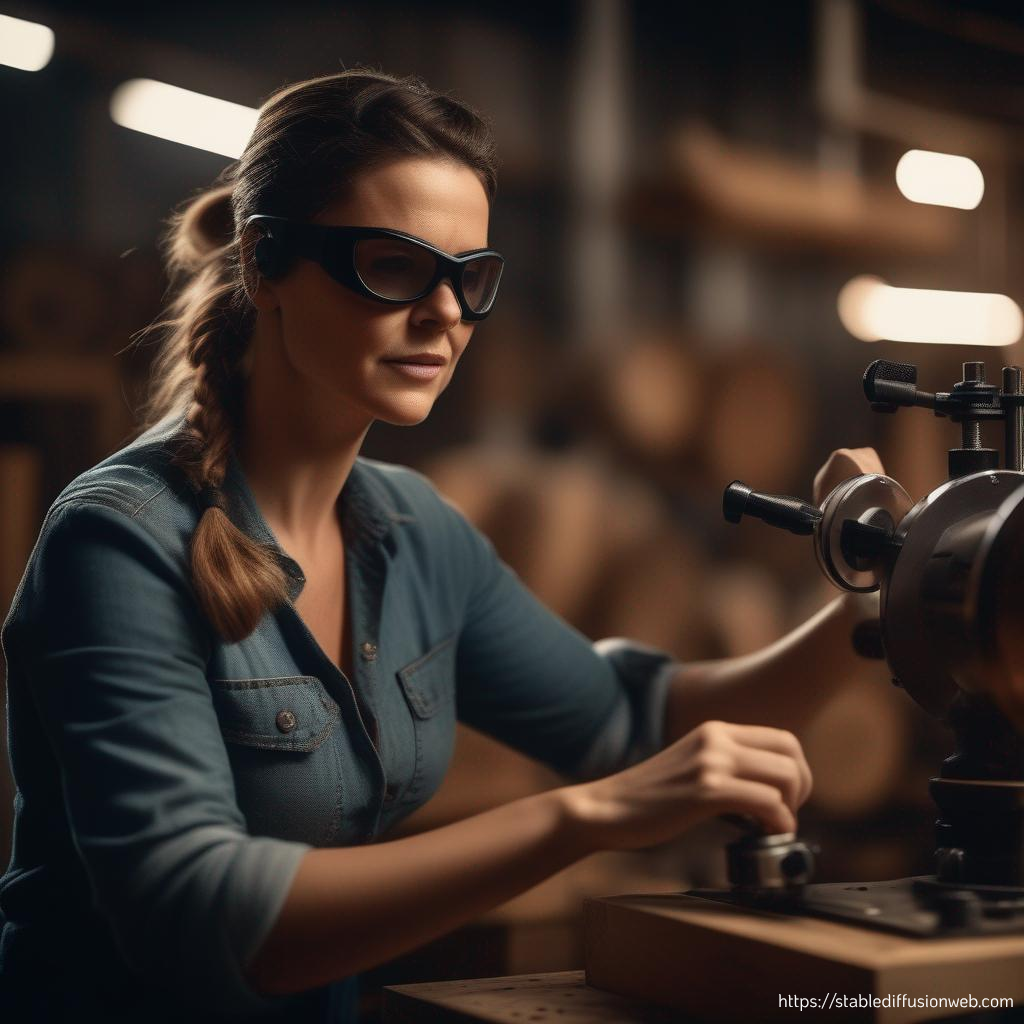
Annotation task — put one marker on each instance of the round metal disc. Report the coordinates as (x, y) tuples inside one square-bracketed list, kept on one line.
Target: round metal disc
[(856, 498)]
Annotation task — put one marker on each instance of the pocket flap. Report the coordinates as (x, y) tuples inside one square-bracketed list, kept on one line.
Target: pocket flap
[(281, 713), (429, 681)]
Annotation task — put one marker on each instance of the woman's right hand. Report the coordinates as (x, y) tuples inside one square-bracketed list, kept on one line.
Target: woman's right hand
[(715, 768)]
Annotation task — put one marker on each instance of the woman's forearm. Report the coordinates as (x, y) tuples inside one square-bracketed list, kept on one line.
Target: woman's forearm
[(784, 684), (351, 908)]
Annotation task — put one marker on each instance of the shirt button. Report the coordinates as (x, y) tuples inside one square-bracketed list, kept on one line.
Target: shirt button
[(286, 721), (390, 793), (369, 650)]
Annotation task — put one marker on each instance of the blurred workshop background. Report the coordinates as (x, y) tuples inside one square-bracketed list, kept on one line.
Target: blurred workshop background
[(714, 216)]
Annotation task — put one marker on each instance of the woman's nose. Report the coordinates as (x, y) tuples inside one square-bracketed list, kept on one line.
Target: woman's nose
[(440, 306)]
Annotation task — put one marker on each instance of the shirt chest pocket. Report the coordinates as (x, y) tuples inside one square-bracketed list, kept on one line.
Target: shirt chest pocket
[(278, 734), (428, 683)]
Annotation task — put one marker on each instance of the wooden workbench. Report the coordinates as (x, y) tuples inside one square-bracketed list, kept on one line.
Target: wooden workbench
[(726, 963), (560, 998)]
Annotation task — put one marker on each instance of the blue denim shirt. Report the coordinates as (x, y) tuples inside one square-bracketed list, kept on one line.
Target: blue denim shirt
[(169, 783)]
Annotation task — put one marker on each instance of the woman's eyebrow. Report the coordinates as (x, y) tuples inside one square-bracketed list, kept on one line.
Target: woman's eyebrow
[(405, 231)]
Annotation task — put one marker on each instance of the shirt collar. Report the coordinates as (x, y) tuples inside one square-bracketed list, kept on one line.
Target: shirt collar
[(368, 514)]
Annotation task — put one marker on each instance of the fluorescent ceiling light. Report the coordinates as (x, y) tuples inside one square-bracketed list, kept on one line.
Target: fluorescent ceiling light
[(180, 115), (872, 310), (25, 45), (940, 179)]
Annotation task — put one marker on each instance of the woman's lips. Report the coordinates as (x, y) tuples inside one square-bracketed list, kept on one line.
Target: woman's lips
[(420, 371)]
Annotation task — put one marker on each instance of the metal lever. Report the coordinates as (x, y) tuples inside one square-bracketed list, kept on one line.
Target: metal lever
[(775, 509)]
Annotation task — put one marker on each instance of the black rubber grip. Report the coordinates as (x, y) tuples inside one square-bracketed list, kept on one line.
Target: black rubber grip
[(890, 383), (780, 510)]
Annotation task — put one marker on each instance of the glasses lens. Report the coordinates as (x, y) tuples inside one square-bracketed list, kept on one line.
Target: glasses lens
[(392, 268), (480, 282)]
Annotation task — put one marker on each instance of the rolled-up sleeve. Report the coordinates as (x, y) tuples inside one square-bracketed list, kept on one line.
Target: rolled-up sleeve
[(532, 680), (115, 655)]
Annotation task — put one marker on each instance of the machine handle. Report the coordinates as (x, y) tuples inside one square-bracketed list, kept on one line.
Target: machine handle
[(890, 384), (775, 509)]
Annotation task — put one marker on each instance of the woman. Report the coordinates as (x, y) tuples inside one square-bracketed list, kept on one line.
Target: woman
[(232, 660)]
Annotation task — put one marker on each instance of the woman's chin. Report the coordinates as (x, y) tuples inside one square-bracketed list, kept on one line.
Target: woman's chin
[(405, 414)]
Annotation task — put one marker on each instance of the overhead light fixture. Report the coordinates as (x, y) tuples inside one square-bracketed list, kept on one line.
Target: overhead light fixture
[(940, 179), (180, 115), (872, 310), (25, 45)]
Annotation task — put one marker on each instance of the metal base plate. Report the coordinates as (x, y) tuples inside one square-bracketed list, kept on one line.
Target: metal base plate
[(908, 906)]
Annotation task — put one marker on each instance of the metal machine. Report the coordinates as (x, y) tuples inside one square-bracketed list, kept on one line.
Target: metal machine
[(950, 570)]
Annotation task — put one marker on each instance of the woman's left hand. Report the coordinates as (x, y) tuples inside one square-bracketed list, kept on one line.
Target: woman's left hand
[(841, 465)]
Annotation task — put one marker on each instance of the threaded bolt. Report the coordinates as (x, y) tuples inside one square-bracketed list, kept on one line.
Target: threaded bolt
[(974, 373)]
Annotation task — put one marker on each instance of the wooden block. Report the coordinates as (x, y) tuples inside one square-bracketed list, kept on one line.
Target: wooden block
[(563, 996), (729, 964)]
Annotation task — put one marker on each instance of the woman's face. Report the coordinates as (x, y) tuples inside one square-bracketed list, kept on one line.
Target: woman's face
[(336, 341)]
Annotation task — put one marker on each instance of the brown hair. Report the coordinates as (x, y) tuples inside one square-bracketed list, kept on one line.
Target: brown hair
[(310, 141)]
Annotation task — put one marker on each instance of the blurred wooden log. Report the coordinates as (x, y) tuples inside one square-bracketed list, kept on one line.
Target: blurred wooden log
[(758, 421), (562, 536), (516, 376), (763, 197), (653, 391), (654, 592), (857, 748), (746, 606)]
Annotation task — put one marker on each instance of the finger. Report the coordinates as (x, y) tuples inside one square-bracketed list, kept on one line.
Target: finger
[(808, 781), (778, 770), (840, 467), (766, 737), (764, 802), (868, 461)]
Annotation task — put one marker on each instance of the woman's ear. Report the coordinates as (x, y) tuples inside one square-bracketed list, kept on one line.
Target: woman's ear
[(258, 290)]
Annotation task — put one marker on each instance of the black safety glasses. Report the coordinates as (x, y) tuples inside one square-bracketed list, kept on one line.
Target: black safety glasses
[(389, 266)]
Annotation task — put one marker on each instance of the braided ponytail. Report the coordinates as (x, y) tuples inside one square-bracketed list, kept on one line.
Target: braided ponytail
[(198, 371), (311, 138)]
